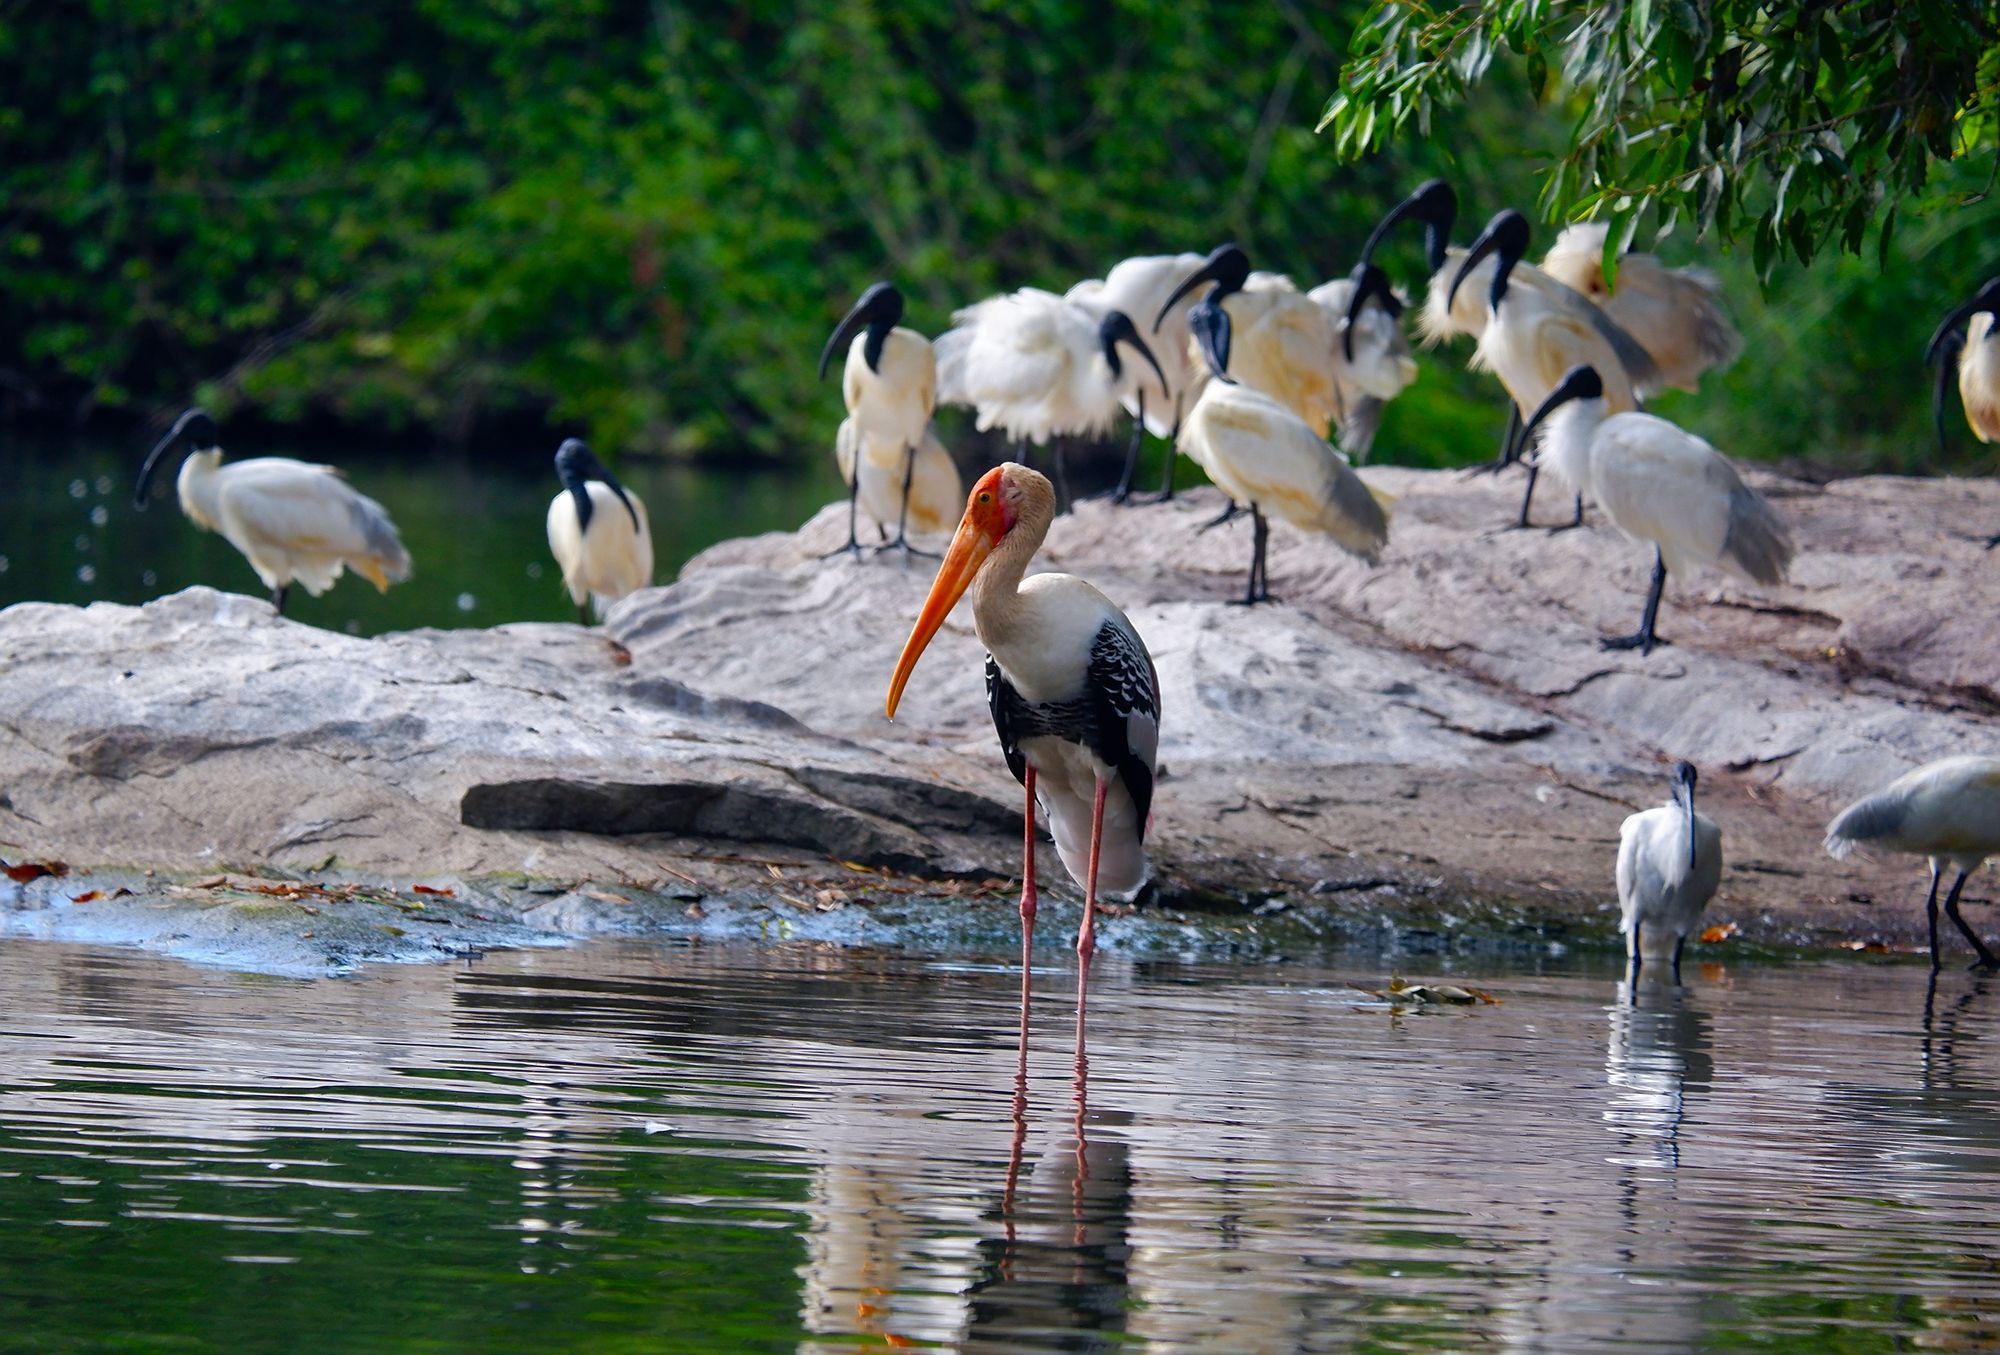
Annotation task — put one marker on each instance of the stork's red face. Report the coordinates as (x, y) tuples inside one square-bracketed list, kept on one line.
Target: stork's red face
[(990, 513)]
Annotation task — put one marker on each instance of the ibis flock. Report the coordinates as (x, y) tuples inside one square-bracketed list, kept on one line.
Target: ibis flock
[(1276, 393)]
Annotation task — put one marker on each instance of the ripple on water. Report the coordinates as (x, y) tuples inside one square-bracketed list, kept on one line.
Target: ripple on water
[(797, 1147)]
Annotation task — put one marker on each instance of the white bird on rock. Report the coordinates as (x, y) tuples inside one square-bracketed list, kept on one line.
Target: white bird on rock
[(890, 388), (1039, 366), (1977, 353), (598, 532), (1669, 865), (1675, 314), (1372, 364), (1661, 485), (1537, 330), (1141, 287), (295, 522), (1947, 810), (1282, 342), (1265, 457), (1074, 694), (922, 493)]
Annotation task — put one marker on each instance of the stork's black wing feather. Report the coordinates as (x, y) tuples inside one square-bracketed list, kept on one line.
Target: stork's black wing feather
[(1124, 694), (1010, 718)]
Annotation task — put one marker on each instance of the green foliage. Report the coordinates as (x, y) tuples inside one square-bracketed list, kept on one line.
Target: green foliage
[(639, 221), (1800, 125)]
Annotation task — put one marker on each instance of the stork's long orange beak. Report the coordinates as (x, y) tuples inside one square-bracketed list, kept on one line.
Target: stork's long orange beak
[(969, 548)]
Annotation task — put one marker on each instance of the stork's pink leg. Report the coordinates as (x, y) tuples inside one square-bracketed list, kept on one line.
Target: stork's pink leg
[(1086, 937), (1028, 867)]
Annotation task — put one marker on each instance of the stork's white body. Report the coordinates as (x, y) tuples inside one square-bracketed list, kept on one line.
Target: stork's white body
[(294, 521), (1675, 314), (1661, 893), (1042, 645), (608, 559), (1263, 455), (891, 406), (1139, 287), (1948, 811), (936, 493), (1381, 369), (1030, 363), (1539, 332), (1979, 377), (1664, 486)]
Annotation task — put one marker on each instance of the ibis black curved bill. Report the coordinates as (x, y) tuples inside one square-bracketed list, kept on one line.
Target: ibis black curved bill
[(1227, 266), (195, 427), (1433, 203), (1117, 328), (879, 310), (1578, 383), (576, 467), (1369, 281), (1505, 235)]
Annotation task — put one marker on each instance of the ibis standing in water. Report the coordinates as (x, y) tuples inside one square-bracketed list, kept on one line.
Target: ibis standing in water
[(890, 387), (1268, 459), (1977, 352), (1661, 485), (1074, 695), (1537, 330), (598, 532), (1675, 314), (1040, 366), (294, 521), (1669, 864), (1948, 811)]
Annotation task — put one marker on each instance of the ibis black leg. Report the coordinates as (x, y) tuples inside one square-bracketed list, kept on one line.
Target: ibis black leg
[(1258, 588), (1986, 960), (1528, 495), (1124, 490), (1930, 915), (1509, 453), (1644, 639), (1993, 541), (278, 595), (1680, 944), (1226, 515), (583, 612), (1576, 520), (853, 546), (902, 541), (1061, 477), (1633, 961)]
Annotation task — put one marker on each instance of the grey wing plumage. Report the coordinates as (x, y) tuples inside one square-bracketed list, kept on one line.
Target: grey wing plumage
[(371, 519), (1757, 540), (1639, 366), (1358, 425)]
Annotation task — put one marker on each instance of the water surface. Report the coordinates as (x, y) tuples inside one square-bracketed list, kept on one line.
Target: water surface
[(727, 1147)]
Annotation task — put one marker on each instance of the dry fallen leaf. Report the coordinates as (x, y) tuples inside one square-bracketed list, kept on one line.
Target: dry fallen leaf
[(216, 883), (33, 870), (87, 896), (603, 897), (427, 889), (696, 911), (1720, 932)]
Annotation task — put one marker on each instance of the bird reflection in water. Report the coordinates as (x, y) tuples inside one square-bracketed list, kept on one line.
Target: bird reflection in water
[(1055, 1276)]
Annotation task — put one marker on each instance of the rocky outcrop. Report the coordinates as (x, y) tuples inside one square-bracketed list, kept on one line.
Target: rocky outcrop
[(1441, 725)]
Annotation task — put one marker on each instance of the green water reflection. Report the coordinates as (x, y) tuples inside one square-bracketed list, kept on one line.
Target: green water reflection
[(473, 526)]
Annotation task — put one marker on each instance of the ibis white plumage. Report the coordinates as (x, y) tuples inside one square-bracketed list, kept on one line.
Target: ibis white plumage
[(1039, 366), (1074, 695), (598, 532), (1661, 485), (294, 521), (1537, 330), (1669, 865), (889, 386), (921, 492), (1948, 811), (1266, 458), (1675, 314), (1372, 364), (1974, 354), (1141, 287)]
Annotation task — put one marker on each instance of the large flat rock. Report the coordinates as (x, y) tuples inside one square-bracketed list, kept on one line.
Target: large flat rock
[(1439, 726)]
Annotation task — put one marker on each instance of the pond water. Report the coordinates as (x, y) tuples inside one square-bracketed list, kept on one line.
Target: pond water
[(728, 1147), (473, 524)]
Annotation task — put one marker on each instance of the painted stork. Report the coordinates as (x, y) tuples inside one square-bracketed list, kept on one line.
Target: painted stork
[(1040, 366), (1675, 314), (1663, 486), (1669, 864), (1140, 286), (1977, 353), (598, 532), (1948, 811), (295, 522), (1266, 457), (1074, 694), (890, 386), (921, 492), (1282, 342), (1537, 330), (1371, 363)]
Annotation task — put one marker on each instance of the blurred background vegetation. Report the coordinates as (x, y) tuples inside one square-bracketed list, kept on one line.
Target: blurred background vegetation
[(489, 221)]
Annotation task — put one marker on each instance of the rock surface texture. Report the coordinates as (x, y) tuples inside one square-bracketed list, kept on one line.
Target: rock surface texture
[(1442, 724)]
